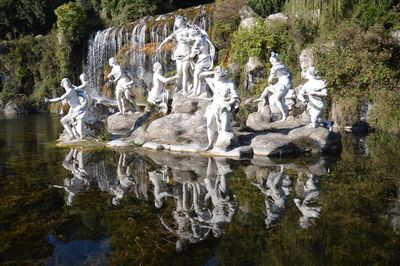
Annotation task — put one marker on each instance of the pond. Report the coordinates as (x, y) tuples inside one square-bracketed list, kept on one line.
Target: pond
[(100, 207)]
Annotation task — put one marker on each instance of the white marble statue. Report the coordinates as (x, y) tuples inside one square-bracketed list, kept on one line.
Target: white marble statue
[(316, 90), (201, 56), (181, 52), (281, 91), (158, 94), (220, 112), (123, 86), (74, 120)]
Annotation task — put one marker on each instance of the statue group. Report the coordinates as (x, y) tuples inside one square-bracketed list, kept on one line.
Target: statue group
[(195, 77)]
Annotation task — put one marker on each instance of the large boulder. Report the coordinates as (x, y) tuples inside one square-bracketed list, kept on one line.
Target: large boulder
[(13, 107), (248, 17), (277, 17), (297, 140), (123, 124)]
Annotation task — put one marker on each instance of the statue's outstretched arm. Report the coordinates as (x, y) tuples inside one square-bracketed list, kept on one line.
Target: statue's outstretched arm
[(169, 38), (62, 97)]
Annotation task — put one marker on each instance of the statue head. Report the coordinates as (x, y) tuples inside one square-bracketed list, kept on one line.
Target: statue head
[(180, 21), (157, 66), (83, 77), (195, 31), (311, 72), (274, 58), (112, 61), (66, 83), (220, 72)]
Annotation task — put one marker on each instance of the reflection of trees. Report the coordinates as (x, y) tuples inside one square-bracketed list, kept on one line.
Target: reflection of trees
[(201, 206)]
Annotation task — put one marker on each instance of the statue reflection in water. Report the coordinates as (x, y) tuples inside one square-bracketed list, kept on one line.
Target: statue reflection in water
[(308, 193), (85, 169), (276, 188), (202, 206), (75, 162)]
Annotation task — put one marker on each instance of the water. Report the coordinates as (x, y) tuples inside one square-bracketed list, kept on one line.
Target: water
[(73, 207)]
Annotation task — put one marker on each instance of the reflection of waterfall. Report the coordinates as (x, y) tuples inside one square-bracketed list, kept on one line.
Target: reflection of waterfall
[(137, 42)]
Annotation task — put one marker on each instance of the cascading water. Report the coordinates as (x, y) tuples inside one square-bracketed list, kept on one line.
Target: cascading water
[(135, 44)]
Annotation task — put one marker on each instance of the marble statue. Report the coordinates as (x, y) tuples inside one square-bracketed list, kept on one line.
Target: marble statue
[(202, 58), (158, 94), (281, 91), (122, 88), (316, 90), (220, 112), (74, 121), (181, 52)]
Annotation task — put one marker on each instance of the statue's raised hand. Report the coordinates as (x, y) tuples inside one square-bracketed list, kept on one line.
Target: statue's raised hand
[(46, 100)]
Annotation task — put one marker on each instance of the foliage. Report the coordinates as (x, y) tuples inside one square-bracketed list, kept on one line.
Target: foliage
[(266, 7), (331, 12), (385, 114), (104, 135), (358, 59), (26, 17), (71, 21)]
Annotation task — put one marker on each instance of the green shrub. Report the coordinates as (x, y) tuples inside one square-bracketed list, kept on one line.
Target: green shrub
[(266, 7), (71, 21), (354, 58), (385, 114)]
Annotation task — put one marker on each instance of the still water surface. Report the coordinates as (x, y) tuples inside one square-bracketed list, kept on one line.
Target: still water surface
[(97, 207)]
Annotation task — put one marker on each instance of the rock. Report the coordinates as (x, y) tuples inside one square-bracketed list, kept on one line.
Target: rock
[(12, 107), (259, 119), (306, 59), (298, 140), (179, 128), (278, 17), (255, 71), (248, 17), (182, 104), (123, 124), (396, 36)]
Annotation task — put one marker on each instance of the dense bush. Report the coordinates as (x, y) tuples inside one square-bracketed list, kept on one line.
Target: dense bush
[(266, 7), (354, 58), (27, 17)]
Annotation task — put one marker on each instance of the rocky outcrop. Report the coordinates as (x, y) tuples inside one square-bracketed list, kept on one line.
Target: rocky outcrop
[(248, 17), (298, 140), (13, 107), (277, 17)]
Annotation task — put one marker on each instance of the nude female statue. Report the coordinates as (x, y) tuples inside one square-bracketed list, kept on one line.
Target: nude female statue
[(122, 89), (158, 94), (181, 52), (202, 56)]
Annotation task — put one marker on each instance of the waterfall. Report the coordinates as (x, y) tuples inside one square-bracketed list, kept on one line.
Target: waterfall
[(134, 45)]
